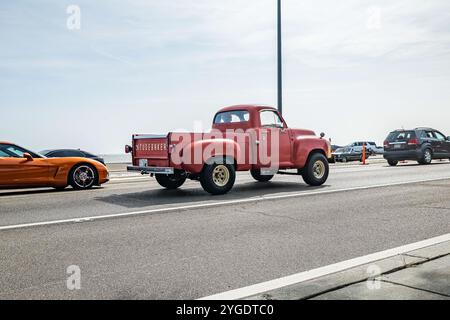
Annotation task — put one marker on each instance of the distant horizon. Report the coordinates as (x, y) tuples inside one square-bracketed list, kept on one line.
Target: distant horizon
[(120, 149), (90, 75)]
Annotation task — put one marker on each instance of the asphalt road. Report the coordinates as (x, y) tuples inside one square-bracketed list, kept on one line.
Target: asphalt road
[(244, 237)]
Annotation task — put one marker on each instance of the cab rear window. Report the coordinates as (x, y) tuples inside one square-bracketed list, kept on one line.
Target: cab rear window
[(231, 117)]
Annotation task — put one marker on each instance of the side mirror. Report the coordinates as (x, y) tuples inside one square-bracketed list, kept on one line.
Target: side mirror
[(322, 135), (28, 156)]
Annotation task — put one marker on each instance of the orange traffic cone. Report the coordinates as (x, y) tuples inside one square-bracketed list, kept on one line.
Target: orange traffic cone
[(364, 155)]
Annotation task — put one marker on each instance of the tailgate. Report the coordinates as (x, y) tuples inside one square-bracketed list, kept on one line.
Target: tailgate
[(150, 150)]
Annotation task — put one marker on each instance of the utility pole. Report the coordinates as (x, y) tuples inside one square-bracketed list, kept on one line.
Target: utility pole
[(279, 54)]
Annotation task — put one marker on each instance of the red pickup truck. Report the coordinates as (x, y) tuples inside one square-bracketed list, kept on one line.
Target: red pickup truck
[(243, 138)]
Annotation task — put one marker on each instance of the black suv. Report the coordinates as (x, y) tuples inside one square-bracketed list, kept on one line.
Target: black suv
[(420, 144)]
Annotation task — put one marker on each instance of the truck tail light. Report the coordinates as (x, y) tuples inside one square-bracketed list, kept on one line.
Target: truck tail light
[(128, 149), (413, 142)]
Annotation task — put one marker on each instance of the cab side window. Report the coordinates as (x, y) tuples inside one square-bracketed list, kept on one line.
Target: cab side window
[(270, 118)]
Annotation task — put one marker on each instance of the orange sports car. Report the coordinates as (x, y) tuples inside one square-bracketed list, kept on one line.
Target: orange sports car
[(21, 168)]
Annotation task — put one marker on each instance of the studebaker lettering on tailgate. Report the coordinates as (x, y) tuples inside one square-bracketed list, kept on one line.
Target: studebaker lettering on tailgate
[(151, 147), (243, 138)]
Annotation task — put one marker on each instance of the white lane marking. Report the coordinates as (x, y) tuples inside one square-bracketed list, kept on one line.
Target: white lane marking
[(323, 271), (212, 204), (124, 178)]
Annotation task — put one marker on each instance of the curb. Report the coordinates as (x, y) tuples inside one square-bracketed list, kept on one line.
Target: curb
[(316, 287)]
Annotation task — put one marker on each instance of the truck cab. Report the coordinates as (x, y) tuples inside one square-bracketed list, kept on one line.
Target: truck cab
[(243, 138)]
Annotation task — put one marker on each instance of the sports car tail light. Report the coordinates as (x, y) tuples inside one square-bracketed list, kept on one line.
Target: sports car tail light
[(128, 149)]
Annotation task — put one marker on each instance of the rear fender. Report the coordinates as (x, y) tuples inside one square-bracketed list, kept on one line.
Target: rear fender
[(198, 153)]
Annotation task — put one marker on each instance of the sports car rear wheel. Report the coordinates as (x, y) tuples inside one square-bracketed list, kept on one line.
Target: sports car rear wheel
[(83, 176)]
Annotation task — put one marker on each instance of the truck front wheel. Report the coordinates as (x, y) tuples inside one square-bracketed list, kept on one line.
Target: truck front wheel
[(170, 181), (256, 174), (315, 173), (218, 178)]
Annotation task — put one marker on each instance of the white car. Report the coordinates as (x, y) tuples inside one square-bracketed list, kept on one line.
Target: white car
[(371, 147)]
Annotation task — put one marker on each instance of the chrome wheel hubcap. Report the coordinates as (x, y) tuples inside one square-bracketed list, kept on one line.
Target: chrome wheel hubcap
[(427, 156), (84, 176), (221, 175), (318, 169)]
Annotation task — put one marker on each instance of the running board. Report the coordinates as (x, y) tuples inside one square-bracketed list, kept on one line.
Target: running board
[(298, 173)]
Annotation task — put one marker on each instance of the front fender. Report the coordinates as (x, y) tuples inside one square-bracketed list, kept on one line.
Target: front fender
[(305, 146)]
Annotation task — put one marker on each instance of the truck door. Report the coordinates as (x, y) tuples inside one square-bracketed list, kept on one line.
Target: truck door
[(275, 139)]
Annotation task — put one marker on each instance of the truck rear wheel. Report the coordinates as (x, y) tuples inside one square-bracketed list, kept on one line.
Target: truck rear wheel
[(170, 181), (218, 178), (316, 171), (256, 174)]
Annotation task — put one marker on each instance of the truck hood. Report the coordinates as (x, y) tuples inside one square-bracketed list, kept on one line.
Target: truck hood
[(303, 132)]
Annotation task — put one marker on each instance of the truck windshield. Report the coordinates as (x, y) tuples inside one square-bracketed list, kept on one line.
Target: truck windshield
[(231, 117)]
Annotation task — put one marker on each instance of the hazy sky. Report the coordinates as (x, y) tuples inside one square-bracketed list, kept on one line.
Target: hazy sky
[(353, 69)]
